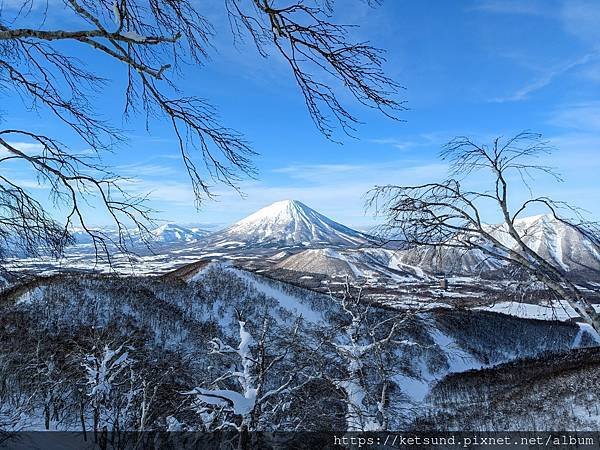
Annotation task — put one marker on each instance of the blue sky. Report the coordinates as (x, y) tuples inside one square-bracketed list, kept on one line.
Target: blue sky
[(480, 68)]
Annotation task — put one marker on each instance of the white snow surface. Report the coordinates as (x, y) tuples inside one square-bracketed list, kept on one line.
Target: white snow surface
[(289, 223), (31, 296), (555, 311), (558, 243), (171, 232), (287, 301)]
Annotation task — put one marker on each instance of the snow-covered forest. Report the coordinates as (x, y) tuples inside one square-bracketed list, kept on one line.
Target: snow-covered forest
[(231, 350)]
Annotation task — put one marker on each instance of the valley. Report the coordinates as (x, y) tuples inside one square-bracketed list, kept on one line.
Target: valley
[(288, 241), (290, 279)]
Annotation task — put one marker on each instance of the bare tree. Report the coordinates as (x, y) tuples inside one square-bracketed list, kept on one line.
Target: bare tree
[(363, 348), (153, 40), (445, 215)]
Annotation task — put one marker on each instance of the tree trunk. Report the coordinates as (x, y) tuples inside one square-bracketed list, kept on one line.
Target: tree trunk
[(103, 442), (244, 438), (82, 419), (47, 417), (96, 420)]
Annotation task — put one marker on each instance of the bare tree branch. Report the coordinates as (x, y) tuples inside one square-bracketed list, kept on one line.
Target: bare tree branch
[(445, 216), (152, 40)]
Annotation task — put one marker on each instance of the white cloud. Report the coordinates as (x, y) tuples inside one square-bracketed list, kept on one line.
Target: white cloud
[(581, 18), (143, 170), (394, 142), (547, 77), (29, 148), (28, 183), (577, 17), (169, 192), (530, 7), (335, 190), (579, 116)]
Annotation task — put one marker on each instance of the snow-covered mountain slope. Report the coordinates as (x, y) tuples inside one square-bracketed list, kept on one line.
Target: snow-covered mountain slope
[(323, 261), (169, 325), (287, 223), (563, 391), (169, 233), (559, 244), (366, 263), (555, 241)]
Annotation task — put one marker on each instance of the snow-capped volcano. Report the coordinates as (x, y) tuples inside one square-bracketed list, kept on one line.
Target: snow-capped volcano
[(288, 223)]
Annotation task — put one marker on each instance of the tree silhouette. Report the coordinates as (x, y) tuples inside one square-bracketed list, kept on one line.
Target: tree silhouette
[(153, 40), (445, 215)]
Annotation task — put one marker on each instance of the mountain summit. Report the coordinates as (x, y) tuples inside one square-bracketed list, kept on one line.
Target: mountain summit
[(561, 245), (171, 232), (288, 223)]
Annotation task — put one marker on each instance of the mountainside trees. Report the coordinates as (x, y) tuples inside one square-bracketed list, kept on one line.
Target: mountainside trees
[(113, 355)]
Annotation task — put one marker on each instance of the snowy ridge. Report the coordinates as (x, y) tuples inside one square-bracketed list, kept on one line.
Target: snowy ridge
[(288, 223), (558, 243), (168, 233), (171, 232), (366, 263)]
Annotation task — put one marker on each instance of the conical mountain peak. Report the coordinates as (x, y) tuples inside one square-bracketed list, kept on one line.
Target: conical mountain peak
[(289, 223)]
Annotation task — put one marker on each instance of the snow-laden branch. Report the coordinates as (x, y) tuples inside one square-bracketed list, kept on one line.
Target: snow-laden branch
[(248, 398), (242, 402), (360, 346), (103, 370)]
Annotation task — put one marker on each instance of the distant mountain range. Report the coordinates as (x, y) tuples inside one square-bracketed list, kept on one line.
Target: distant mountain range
[(313, 243), (169, 233), (287, 223)]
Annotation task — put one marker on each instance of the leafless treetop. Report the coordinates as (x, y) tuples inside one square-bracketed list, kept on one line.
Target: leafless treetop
[(446, 215), (154, 40)]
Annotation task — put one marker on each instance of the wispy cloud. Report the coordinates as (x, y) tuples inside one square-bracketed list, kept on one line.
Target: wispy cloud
[(580, 116), (168, 192), (533, 8), (547, 77), (384, 172), (577, 17), (394, 142), (420, 140), (174, 155), (581, 18), (28, 148), (336, 190), (319, 169), (29, 183), (146, 170)]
